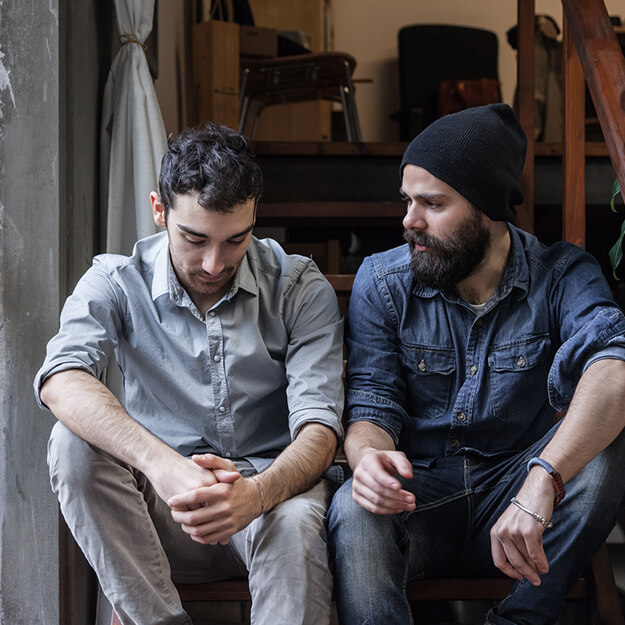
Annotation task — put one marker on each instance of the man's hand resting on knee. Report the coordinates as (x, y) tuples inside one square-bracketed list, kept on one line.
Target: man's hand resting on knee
[(376, 487), (517, 538)]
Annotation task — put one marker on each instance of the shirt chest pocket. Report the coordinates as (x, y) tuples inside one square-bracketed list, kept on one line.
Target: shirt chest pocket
[(518, 378), (429, 376)]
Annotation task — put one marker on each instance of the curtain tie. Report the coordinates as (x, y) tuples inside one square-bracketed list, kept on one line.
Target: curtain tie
[(126, 38)]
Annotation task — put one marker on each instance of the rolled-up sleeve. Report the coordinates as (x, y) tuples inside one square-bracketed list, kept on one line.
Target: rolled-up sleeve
[(89, 326), (375, 388), (591, 326), (314, 358)]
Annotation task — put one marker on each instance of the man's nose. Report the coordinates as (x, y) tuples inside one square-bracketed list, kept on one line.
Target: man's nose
[(212, 262), (414, 218)]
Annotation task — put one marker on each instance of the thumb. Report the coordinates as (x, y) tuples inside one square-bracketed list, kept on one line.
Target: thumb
[(227, 477), (211, 461), (400, 463)]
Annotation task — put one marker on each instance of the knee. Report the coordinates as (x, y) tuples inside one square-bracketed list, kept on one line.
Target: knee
[(297, 523), (599, 484), (70, 460), (349, 524)]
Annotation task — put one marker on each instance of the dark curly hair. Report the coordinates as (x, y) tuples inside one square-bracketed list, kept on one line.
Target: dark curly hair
[(214, 161)]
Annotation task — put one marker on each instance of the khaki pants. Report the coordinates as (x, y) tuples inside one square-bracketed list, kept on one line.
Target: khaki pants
[(128, 536)]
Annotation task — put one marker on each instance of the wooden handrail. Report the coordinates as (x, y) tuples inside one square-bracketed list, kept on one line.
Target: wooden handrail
[(526, 104), (573, 157), (604, 70)]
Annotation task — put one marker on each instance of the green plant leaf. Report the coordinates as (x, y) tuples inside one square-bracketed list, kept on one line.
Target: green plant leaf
[(616, 252), (616, 189)]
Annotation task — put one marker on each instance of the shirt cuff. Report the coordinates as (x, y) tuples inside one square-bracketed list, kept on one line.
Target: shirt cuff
[(316, 415), (613, 352)]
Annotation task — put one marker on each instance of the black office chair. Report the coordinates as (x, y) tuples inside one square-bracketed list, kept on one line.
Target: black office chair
[(431, 53)]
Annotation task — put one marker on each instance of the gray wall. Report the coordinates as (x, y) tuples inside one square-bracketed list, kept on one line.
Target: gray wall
[(50, 80), (29, 297)]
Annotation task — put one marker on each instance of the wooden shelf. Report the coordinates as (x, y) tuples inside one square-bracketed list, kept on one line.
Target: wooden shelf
[(319, 148), (330, 210), (327, 148)]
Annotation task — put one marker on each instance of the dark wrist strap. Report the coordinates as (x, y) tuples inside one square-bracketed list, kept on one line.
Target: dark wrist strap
[(556, 478)]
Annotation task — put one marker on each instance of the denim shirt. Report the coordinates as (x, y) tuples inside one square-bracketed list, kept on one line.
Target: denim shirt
[(239, 381), (443, 378)]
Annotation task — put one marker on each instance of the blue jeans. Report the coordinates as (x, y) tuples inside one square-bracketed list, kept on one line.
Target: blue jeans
[(459, 498)]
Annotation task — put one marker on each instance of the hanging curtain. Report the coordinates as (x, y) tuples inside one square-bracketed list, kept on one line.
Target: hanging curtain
[(133, 135)]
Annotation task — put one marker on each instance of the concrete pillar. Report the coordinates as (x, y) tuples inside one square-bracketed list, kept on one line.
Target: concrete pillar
[(29, 300)]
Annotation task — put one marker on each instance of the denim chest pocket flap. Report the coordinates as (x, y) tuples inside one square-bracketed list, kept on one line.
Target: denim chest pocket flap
[(519, 357), (426, 362), (429, 377)]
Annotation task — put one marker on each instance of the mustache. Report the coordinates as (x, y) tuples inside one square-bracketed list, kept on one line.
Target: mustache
[(420, 238)]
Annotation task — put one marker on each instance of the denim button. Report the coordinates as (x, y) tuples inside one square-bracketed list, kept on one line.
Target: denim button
[(216, 358), (461, 417), (455, 443), (422, 366), (521, 361), (473, 370), (222, 409), (212, 313)]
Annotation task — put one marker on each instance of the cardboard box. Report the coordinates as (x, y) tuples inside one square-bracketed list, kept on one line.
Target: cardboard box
[(216, 72), (258, 42)]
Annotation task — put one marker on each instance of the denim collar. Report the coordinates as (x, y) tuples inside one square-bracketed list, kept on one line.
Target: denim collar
[(516, 276)]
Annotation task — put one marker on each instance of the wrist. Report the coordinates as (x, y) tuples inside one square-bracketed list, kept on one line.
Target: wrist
[(261, 493), (539, 466)]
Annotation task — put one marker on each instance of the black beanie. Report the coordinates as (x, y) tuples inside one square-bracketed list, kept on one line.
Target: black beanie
[(479, 152)]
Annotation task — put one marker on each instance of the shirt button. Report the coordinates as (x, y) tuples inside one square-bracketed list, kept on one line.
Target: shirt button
[(473, 370), (455, 443), (222, 409), (216, 358), (461, 416)]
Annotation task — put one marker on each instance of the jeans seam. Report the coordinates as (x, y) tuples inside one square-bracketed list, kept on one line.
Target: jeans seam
[(438, 502)]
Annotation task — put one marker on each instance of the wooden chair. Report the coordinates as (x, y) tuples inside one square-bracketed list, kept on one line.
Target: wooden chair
[(300, 78)]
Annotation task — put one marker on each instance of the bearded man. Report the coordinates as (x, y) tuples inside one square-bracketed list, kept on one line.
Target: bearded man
[(463, 345)]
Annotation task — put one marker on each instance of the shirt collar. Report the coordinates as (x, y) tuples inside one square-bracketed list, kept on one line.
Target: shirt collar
[(165, 280), (244, 278), (160, 279), (517, 273)]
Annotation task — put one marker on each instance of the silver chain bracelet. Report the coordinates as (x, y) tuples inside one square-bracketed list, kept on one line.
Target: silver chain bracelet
[(541, 519)]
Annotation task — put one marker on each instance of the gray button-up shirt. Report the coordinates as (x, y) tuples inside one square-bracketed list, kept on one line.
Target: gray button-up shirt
[(239, 382)]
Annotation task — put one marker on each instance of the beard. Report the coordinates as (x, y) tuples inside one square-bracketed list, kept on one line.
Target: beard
[(451, 260)]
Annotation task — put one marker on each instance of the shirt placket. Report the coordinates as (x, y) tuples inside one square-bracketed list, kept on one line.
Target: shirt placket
[(221, 401), (462, 416)]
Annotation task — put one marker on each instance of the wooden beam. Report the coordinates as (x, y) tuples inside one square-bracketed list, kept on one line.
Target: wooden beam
[(525, 105), (573, 183)]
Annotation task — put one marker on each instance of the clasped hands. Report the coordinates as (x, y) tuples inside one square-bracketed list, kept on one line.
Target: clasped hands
[(516, 537), (217, 501)]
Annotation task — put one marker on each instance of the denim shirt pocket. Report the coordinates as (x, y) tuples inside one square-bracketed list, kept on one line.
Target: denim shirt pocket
[(518, 378), (429, 377)]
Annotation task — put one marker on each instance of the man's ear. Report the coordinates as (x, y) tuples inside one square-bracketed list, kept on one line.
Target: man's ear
[(158, 210)]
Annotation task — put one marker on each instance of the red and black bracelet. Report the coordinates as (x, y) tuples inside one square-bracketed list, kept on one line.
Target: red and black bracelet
[(556, 478)]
